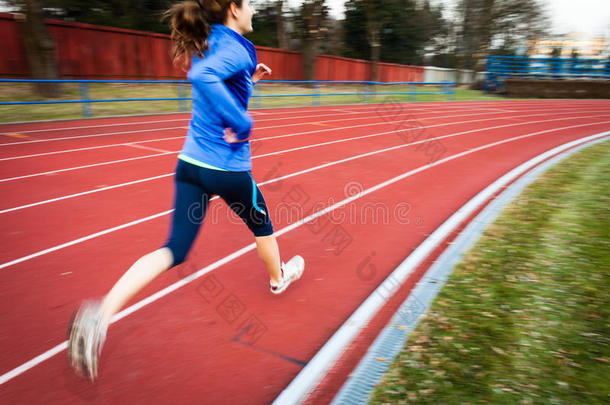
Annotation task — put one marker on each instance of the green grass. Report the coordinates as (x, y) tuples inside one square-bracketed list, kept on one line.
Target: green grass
[(270, 102), (524, 318), (25, 92)]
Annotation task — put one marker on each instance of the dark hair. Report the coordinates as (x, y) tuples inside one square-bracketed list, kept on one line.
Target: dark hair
[(190, 23)]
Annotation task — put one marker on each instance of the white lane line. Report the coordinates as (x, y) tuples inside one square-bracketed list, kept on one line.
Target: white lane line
[(83, 239), (114, 145), (95, 190), (466, 106), (422, 127), (178, 137), (175, 286), (281, 136), (495, 109), (83, 167), (104, 232), (373, 108), (102, 125), (440, 137), (141, 130), (162, 129), (351, 111), (91, 136), (570, 110), (357, 108), (376, 115), (253, 140), (133, 145), (132, 123), (33, 363), (309, 377), (294, 149)]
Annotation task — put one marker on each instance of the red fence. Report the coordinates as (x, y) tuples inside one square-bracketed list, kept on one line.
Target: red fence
[(13, 61), (91, 51), (286, 65), (338, 68)]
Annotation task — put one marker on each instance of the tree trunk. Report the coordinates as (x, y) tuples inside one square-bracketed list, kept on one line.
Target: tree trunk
[(281, 30), (40, 50), (309, 59), (375, 51), (373, 30), (313, 20)]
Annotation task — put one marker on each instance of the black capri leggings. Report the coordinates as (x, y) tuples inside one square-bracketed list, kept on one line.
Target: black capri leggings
[(195, 186)]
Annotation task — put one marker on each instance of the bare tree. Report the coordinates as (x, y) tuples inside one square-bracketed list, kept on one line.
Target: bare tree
[(312, 28), (281, 27), (40, 49), (374, 23), (488, 24)]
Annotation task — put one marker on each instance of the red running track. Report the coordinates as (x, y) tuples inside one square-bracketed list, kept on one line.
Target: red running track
[(190, 344)]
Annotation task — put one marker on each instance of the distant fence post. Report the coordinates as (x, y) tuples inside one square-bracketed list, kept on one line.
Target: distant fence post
[(412, 90), (315, 100), (83, 89), (444, 88), (257, 92), (182, 103)]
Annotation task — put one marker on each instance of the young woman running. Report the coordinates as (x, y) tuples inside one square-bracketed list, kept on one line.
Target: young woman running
[(215, 160)]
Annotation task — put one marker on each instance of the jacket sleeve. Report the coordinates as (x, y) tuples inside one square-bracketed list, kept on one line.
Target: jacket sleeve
[(208, 75)]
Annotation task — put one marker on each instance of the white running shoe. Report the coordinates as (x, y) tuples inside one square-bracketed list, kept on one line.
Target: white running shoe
[(291, 271), (86, 338)]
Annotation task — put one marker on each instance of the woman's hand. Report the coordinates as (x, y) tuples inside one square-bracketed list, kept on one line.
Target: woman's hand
[(260, 72), (230, 136)]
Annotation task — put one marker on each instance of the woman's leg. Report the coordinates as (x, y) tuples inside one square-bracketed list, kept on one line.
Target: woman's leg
[(190, 206), (140, 274), (240, 192), (89, 325), (88, 328), (269, 253)]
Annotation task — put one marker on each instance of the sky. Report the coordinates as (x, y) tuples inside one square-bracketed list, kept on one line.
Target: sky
[(589, 16)]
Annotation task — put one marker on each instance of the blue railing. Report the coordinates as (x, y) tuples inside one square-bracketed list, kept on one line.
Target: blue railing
[(500, 68), (446, 88)]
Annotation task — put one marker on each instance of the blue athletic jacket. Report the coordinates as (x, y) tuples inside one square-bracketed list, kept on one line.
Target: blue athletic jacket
[(221, 87)]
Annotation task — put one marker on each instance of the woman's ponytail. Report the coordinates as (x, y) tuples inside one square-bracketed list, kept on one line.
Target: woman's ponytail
[(190, 24), (189, 30)]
